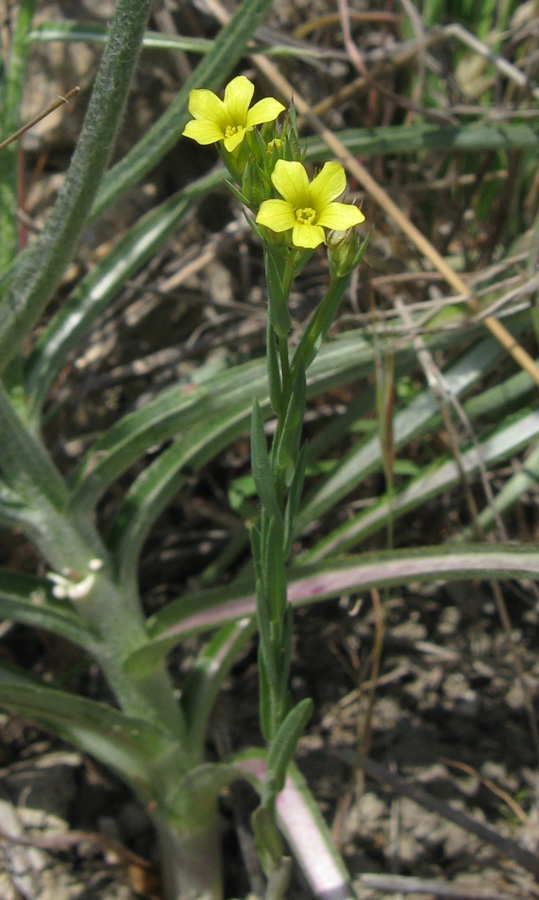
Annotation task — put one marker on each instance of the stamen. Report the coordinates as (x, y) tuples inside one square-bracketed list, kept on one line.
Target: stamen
[(305, 216)]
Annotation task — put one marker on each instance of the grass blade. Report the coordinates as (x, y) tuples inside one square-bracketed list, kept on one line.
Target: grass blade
[(28, 284)]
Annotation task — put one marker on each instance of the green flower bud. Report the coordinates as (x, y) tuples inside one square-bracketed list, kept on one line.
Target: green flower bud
[(255, 185), (345, 252)]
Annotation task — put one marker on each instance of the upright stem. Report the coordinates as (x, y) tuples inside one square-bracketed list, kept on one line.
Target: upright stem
[(191, 862), (71, 547)]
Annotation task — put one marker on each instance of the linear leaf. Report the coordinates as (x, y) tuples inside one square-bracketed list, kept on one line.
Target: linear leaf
[(397, 139), (185, 405), (28, 284), (413, 420), (500, 445), (96, 291), (29, 600), (208, 610), (129, 746)]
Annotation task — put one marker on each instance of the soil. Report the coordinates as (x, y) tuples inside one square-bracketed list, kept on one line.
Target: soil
[(447, 712)]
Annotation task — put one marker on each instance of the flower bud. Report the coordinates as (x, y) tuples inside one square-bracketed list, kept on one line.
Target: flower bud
[(345, 252), (254, 186)]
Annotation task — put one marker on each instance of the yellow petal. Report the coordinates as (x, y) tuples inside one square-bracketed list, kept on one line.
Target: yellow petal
[(234, 140), (308, 236), (265, 110), (329, 184), (206, 105), (238, 95), (203, 132), (340, 216), (277, 215), (290, 179)]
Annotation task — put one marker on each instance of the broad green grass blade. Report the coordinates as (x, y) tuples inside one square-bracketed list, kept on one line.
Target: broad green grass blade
[(32, 278), (11, 674), (101, 286), (207, 675), (348, 358), (404, 139), (415, 419), (11, 91), (89, 33), (208, 610), (30, 601), (70, 32), (154, 488), (522, 482), (210, 73), (131, 747), (502, 444)]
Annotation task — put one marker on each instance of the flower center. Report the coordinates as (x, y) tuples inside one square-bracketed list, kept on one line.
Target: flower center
[(305, 216), (231, 130)]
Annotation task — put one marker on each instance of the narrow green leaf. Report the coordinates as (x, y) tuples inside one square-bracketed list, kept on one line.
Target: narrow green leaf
[(130, 747), (25, 462), (256, 550), (96, 291), (207, 610), (317, 329), (89, 33), (404, 139), (12, 81), (269, 844), (366, 457), (265, 691), (438, 478), (261, 467), (274, 373), (286, 449), (274, 570), (284, 746), (278, 313), (32, 278), (294, 500), (29, 600), (155, 486), (206, 676)]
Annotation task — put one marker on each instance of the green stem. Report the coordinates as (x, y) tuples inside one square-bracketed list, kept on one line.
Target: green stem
[(70, 547), (191, 862), (285, 370), (25, 464), (29, 283)]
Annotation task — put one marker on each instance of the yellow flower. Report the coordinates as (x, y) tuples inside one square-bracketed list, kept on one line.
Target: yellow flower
[(308, 208), (230, 119)]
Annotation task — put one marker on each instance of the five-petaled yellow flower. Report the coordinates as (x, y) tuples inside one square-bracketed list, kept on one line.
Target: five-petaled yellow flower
[(230, 119), (308, 208)]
